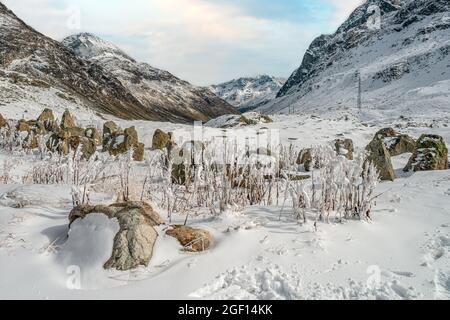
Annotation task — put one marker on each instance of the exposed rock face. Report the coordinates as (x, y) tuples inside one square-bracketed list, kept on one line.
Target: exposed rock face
[(431, 153), (193, 240), (67, 120), (133, 244), (161, 140), (380, 157), (345, 147)]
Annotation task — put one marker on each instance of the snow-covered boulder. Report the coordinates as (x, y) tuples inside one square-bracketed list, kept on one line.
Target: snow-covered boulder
[(396, 143), (345, 148), (46, 115), (257, 118), (47, 118), (116, 141), (161, 140), (400, 145), (133, 244), (234, 121), (228, 121), (193, 240), (381, 159), (305, 158), (94, 134), (431, 153), (110, 129), (67, 120)]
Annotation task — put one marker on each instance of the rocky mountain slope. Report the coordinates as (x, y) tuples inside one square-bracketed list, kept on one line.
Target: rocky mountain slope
[(38, 72), (249, 93), (159, 91), (403, 65)]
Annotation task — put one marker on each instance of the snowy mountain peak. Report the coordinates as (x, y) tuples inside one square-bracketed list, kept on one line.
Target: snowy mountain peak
[(249, 92), (158, 90), (88, 46)]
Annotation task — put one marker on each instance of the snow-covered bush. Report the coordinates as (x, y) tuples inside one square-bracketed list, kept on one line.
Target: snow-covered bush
[(338, 186)]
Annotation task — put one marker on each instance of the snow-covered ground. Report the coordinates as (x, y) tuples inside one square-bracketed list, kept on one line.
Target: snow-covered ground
[(261, 253)]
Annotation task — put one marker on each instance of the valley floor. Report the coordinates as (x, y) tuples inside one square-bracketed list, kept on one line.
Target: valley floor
[(261, 253)]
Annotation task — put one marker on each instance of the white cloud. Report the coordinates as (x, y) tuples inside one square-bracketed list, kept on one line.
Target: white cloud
[(344, 8)]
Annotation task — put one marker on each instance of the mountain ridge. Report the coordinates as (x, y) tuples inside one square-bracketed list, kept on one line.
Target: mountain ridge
[(37, 72), (159, 90), (247, 93), (402, 65)]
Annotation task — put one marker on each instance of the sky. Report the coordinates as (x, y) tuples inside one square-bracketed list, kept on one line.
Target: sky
[(201, 41)]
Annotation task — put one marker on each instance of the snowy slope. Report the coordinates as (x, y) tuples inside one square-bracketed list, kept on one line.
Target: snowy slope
[(249, 93), (159, 91), (404, 66)]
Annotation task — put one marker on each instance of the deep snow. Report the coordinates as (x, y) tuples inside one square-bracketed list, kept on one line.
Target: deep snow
[(258, 254)]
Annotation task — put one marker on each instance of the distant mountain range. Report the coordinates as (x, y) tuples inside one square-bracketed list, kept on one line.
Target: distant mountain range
[(249, 93), (403, 66), (85, 71)]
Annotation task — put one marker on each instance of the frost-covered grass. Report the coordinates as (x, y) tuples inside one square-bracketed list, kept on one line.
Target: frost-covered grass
[(262, 250)]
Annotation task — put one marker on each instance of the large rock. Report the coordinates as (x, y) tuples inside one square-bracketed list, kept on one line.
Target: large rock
[(110, 129), (305, 159), (123, 142), (116, 141), (133, 244), (400, 144), (23, 126), (386, 132), (46, 115), (139, 152), (431, 153), (161, 140), (88, 148), (396, 143), (67, 120), (37, 127), (75, 131), (94, 134), (69, 139), (47, 118), (193, 240), (3, 122), (380, 157), (345, 148)]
